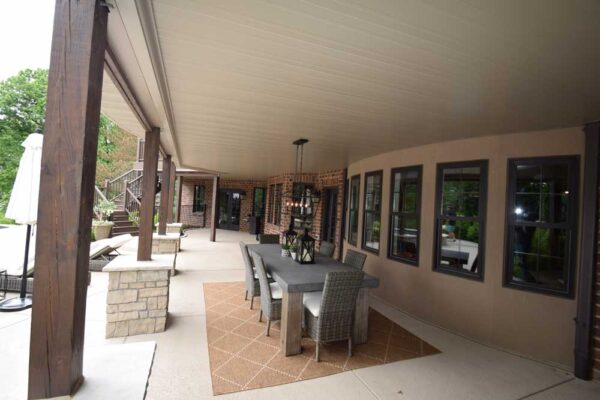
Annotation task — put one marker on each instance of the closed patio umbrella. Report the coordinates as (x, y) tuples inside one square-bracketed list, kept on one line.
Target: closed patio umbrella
[(23, 207)]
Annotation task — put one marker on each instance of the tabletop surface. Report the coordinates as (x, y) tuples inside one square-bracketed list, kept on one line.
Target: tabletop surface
[(296, 277)]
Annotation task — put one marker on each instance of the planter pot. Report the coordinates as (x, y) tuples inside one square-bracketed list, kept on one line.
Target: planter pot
[(102, 231), (293, 255), (285, 253)]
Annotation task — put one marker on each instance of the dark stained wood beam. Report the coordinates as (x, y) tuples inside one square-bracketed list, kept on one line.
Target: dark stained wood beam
[(146, 226), (215, 203), (179, 192), (114, 70), (164, 195), (171, 194), (67, 186), (584, 322)]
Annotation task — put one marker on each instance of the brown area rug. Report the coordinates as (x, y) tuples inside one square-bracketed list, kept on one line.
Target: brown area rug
[(243, 358)]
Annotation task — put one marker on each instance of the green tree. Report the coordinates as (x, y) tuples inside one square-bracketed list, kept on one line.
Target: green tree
[(22, 111)]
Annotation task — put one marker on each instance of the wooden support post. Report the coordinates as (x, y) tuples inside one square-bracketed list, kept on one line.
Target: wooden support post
[(171, 194), (164, 195), (584, 322), (67, 183), (146, 226), (179, 192), (215, 203)]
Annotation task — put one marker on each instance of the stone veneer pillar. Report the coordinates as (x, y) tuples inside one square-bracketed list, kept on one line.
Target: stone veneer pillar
[(138, 295)]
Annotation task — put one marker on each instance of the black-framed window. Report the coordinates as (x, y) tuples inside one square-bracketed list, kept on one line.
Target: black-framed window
[(353, 210), (405, 214), (199, 201), (461, 200), (345, 211), (277, 203), (371, 240), (541, 224), (258, 204), (271, 204)]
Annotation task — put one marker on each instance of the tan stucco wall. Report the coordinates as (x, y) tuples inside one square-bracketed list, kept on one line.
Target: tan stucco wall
[(535, 325)]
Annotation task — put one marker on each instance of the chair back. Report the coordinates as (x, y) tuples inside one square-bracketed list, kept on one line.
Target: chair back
[(268, 239), (266, 298), (326, 249), (249, 268), (355, 259), (338, 304)]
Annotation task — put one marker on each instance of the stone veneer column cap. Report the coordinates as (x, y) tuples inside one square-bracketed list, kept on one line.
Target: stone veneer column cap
[(129, 262), (166, 236)]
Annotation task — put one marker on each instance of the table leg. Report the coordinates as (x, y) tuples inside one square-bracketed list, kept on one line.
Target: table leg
[(361, 317), (291, 323)]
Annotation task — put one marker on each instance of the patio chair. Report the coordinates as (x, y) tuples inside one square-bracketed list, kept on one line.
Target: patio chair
[(268, 239), (101, 250), (270, 294), (326, 249), (11, 280), (252, 284), (355, 259), (329, 315)]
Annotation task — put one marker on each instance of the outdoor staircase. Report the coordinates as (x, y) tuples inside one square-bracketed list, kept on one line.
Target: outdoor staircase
[(122, 224), (125, 191)]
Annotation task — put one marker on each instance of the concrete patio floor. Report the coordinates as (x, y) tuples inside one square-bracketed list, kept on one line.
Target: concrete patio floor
[(464, 369)]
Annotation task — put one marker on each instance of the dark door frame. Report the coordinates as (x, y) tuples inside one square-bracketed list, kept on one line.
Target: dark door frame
[(329, 214), (229, 208)]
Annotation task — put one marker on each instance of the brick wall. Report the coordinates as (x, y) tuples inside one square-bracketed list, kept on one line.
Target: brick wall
[(329, 179), (203, 219)]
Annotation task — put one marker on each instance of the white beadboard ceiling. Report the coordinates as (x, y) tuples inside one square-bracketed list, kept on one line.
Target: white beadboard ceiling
[(233, 83)]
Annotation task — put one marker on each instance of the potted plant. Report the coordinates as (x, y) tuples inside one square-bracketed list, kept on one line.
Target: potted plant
[(103, 226), (293, 250), (285, 250)]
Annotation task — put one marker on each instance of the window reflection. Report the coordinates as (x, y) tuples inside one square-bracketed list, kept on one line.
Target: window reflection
[(372, 211), (405, 218), (542, 224), (461, 201)]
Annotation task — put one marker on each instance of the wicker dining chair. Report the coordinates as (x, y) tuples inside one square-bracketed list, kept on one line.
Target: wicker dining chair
[(326, 249), (268, 239), (271, 294), (330, 317), (355, 259), (252, 285)]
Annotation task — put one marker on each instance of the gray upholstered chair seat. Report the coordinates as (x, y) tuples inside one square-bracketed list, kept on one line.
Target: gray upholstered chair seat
[(312, 302), (276, 291)]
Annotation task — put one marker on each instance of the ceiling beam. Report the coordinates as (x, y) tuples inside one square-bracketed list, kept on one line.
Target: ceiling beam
[(114, 70)]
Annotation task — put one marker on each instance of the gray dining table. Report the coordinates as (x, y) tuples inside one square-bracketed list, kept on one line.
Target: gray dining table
[(295, 279)]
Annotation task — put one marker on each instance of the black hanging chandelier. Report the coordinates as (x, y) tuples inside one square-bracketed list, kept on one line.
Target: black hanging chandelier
[(302, 198)]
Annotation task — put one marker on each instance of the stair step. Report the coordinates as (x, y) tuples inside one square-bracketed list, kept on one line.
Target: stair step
[(124, 231)]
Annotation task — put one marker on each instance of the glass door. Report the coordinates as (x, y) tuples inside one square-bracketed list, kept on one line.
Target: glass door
[(229, 209)]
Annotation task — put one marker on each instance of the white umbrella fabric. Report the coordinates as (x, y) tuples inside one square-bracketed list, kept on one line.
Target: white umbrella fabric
[(23, 207)]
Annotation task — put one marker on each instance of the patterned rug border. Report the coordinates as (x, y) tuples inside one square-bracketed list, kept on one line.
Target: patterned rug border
[(242, 358)]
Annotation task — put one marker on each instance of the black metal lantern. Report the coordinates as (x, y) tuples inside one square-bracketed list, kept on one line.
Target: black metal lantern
[(290, 236), (306, 249)]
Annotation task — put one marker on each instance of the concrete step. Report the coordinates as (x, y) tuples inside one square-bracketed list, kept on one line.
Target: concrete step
[(122, 230)]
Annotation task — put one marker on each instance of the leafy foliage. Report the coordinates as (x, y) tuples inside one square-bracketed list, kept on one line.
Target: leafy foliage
[(22, 111), (116, 151), (106, 208)]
